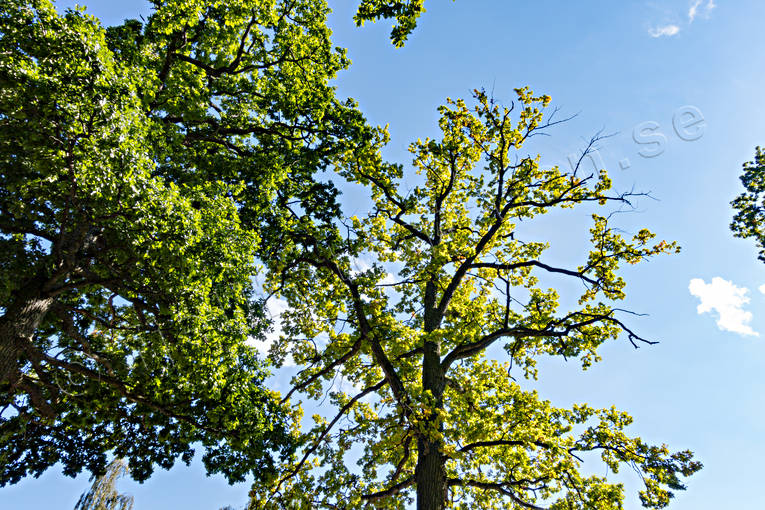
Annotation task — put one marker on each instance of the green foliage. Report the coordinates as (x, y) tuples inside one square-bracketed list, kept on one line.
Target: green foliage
[(419, 388), (145, 168), (405, 12), (749, 220), (142, 167)]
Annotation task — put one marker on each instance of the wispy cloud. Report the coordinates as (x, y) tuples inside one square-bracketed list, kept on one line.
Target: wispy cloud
[(694, 10), (664, 31), (697, 8), (727, 300)]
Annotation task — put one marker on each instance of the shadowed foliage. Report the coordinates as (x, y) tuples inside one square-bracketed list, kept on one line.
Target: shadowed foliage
[(141, 168)]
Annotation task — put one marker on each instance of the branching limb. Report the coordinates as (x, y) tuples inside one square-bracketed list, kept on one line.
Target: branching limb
[(472, 348), (533, 263), (324, 433), (392, 378), (390, 491), (500, 487), (327, 369)]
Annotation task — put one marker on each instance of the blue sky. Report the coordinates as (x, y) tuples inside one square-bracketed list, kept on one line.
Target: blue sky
[(619, 65)]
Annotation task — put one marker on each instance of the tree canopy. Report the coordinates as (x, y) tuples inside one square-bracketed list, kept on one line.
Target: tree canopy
[(147, 169), (407, 307), (142, 168), (140, 164), (749, 221)]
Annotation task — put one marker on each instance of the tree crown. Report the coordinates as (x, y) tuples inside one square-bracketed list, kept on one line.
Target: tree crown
[(411, 347)]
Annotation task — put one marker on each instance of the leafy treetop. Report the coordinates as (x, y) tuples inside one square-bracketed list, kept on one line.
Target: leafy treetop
[(422, 408)]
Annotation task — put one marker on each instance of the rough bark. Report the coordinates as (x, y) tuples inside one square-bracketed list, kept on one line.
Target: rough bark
[(430, 473), (431, 477), (17, 327)]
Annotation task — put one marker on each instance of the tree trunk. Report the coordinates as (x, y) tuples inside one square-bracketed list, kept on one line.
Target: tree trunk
[(430, 473), (17, 327)]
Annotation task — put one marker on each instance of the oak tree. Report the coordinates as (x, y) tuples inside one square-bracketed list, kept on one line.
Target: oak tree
[(138, 169), (396, 318)]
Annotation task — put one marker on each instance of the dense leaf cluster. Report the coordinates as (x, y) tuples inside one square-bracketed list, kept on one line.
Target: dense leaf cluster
[(749, 221), (138, 165), (405, 13)]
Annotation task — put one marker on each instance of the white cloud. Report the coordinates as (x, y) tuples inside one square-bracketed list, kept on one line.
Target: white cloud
[(761, 288), (666, 30), (693, 11), (274, 309), (727, 300), (361, 264)]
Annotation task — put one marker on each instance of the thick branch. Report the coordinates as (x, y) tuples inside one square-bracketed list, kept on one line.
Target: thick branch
[(534, 263), (398, 202), (397, 387), (494, 486), (472, 348), (390, 491), (335, 363)]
